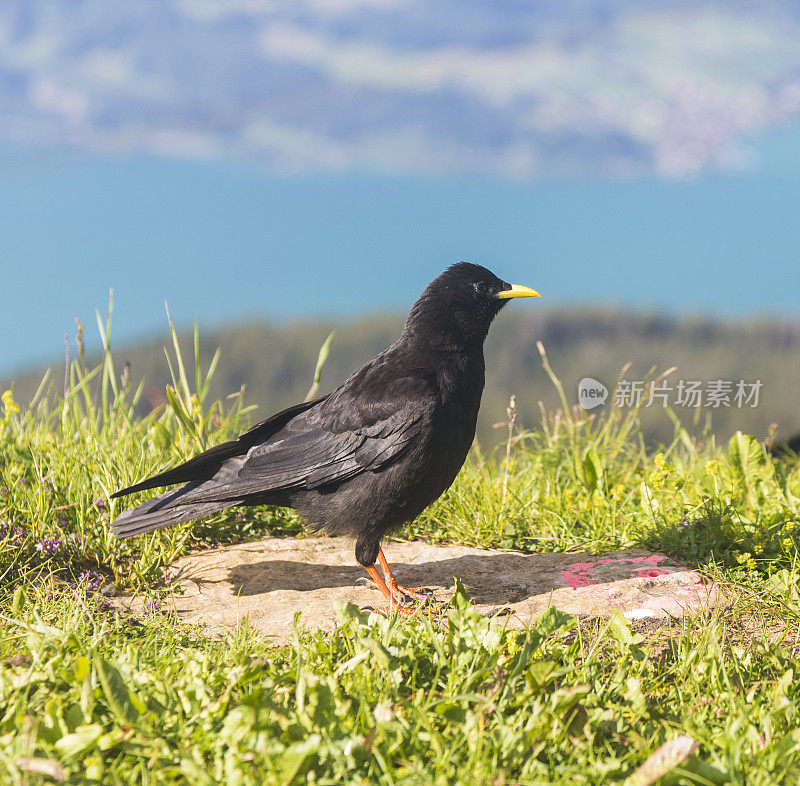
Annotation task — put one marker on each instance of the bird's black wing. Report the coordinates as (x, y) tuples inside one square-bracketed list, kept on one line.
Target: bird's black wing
[(353, 431), (205, 465)]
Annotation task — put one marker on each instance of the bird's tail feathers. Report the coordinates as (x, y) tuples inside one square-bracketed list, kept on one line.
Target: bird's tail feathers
[(164, 511)]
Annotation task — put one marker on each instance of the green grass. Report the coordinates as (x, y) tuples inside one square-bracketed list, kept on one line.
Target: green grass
[(91, 695)]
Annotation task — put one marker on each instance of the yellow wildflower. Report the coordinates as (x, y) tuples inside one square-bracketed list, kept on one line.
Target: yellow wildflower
[(741, 558), (8, 401)]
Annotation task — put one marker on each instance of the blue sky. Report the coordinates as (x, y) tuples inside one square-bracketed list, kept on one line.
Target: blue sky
[(223, 242)]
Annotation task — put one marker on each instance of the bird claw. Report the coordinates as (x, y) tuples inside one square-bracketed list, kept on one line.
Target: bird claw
[(403, 595), (422, 593), (396, 594)]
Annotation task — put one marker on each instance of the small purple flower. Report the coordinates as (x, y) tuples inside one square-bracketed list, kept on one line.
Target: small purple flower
[(91, 580), (7, 531), (49, 546), (151, 607), (4, 491), (23, 481), (100, 503)]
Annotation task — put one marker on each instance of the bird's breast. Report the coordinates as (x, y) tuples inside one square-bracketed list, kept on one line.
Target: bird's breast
[(453, 430)]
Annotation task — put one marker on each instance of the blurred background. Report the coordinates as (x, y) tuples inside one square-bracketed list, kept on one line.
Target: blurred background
[(275, 169)]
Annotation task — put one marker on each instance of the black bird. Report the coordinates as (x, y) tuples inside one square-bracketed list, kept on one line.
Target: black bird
[(368, 457)]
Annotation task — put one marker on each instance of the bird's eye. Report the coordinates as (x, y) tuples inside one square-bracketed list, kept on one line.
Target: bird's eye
[(481, 288)]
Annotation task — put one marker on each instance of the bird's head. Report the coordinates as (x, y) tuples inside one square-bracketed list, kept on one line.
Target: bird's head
[(457, 307)]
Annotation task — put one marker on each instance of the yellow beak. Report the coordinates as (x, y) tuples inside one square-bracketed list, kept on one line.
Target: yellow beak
[(517, 290)]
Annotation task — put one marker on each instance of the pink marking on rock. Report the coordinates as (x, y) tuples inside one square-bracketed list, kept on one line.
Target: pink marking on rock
[(651, 573), (581, 574)]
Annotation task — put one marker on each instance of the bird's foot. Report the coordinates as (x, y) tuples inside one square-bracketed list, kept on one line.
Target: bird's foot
[(406, 594), (399, 592), (392, 594), (421, 593), (402, 595)]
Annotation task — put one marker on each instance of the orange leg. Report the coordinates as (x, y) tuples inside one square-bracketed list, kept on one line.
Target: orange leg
[(392, 585), (390, 596)]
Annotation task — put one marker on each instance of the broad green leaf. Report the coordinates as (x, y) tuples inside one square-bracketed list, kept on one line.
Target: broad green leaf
[(83, 739), (117, 693), (593, 470), (746, 454), (81, 667), (295, 757)]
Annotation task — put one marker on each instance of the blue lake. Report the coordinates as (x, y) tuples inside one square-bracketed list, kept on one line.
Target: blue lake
[(223, 241)]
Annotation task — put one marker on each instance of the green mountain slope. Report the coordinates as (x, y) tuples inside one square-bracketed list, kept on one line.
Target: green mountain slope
[(276, 363)]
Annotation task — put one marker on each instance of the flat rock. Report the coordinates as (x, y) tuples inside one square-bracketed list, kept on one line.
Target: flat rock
[(270, 580)]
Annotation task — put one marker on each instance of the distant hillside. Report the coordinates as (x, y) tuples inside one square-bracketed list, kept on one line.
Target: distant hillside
[(275, 364)]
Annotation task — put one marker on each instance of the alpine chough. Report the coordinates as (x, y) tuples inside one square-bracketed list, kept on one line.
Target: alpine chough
[(368, 457)]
